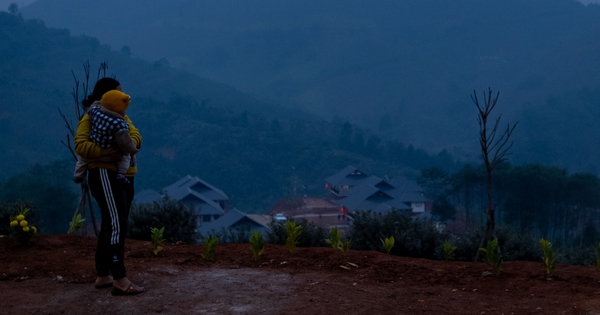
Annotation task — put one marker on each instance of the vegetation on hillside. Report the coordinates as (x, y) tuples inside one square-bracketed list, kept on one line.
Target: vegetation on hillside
[(257, 154), (545, 201), (411, 62), (257, 160)]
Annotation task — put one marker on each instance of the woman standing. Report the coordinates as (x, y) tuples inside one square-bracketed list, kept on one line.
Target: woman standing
[(114, 197)]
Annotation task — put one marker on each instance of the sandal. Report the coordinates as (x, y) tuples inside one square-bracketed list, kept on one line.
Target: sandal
[(132, 289), (102, 286)]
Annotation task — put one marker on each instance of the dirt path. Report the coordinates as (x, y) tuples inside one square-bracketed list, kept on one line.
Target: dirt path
[(170, 291), (55, 276)]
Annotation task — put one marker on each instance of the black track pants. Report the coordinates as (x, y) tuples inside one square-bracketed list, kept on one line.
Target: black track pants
[(114, 199)]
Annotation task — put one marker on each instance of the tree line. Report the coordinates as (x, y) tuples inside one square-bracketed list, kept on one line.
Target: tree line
[(546, 201)]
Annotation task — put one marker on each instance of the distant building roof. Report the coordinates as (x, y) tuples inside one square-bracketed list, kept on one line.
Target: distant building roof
[(146, 196), (367, 197), (407, 190), (350, 176), (358, 191), (196, 184), (405, 184), (262, 219), (206, 206), (233, 218)]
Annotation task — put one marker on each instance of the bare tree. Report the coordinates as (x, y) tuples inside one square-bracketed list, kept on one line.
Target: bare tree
[(495, 145), (86, 198)]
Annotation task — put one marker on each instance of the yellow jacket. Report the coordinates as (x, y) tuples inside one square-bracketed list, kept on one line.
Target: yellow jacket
[(92, 151)]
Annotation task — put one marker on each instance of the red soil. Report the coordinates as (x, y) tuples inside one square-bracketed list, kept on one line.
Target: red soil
[(55, 276)]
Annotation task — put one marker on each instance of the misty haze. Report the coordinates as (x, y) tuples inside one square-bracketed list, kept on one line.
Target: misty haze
[(272, 108)]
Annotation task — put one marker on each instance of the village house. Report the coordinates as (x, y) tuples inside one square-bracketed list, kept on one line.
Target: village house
[(353, 190), (235, 220), (211, 205)]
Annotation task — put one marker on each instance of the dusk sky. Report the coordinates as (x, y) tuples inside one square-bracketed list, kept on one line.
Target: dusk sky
[(5, 3)]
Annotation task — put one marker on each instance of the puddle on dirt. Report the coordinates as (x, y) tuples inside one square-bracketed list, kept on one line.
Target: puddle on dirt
[(221, 291), (169, 291)]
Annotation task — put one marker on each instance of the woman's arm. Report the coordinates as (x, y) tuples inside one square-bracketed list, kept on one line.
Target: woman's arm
[(83, 145)]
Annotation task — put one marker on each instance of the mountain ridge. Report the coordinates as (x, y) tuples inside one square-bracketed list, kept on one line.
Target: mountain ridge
[(415, 62)]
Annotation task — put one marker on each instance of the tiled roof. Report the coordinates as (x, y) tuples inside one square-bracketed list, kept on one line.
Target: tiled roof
[(196, 184), (407, 190), (208, 206), (350, 175), (374, 193), (405, 184), (231, 218), (371, 198), (146, 196)]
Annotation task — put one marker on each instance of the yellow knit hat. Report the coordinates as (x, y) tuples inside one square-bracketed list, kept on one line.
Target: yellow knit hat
[(116, 101)]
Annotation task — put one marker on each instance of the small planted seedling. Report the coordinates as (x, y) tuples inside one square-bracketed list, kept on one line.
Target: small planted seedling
[(388, 243), (548, 257), (345, 246), (492, 257), (157, 237), (76, 223), (257, 245), (210, 244), (598, 260), (293, 232), (336, 238), (448, 250)]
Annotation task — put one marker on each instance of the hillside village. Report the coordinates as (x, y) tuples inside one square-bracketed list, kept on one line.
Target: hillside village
[(350, 190)]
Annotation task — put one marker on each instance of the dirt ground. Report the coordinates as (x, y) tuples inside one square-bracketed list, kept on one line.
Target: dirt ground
[(55, 276)]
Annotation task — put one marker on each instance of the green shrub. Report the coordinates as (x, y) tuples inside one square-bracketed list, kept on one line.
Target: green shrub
[(465, 243), (492, 257), (293, 232), (45, 191), (388, 244), (583, 256), (448, 250), (517, 244), (257, 245), (311, 236), (336, 241), (345, 246), (180, 221), (548, 257), (210, 244), (157, 238), (413, 237), (336, 238), (240, 234)]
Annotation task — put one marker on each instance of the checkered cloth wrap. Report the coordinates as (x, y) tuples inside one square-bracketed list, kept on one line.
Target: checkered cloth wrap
[(104, 128)]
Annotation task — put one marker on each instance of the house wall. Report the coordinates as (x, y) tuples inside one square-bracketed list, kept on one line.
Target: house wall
[(253, 227), (418, 207), (206, 218)]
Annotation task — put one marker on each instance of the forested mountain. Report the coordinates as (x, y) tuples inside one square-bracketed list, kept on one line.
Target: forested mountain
[(36, 80), (255, 152), (258, 153), (411, 63)]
